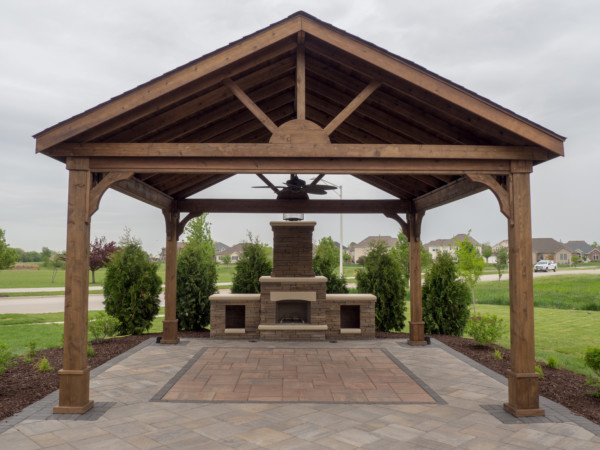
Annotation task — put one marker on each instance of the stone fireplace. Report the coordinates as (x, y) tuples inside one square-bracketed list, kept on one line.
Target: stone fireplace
[(293, 303)]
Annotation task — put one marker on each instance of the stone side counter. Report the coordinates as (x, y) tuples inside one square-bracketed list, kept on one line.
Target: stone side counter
[(218, 315)]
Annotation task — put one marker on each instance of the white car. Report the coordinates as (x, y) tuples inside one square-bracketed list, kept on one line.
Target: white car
[(545, 265)]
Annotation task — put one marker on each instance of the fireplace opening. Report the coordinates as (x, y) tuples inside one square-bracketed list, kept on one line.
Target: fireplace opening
[(350, 316), (235, 316), (292, 312)]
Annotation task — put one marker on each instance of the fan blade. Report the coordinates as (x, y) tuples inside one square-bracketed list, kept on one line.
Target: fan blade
[(317, 190)]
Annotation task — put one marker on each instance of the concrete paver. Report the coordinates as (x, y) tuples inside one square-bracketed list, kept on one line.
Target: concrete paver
[(132, 411)]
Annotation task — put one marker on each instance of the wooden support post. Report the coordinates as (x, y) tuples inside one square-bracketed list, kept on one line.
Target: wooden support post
[(170, 323), (416, 324), (74, 378), (523, 389)]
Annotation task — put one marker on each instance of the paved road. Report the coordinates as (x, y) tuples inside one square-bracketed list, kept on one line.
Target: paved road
[(56, 303)]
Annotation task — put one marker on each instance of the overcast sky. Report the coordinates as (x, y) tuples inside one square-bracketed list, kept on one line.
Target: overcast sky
[(540, 59)]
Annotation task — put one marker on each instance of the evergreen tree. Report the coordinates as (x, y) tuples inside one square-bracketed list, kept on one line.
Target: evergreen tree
[(382, 277), (8, 256), (326, 263), (252, 264), (132, 287), (445, 298), (196, 276)]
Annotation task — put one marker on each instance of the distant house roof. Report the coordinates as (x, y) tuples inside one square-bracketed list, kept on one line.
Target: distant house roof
[(237, 248), (548, 245), (389, 241), (581, 246), (452, 241), (219, 247)]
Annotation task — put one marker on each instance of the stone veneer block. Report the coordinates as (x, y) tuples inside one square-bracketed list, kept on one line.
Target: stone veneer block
[(292, 249)]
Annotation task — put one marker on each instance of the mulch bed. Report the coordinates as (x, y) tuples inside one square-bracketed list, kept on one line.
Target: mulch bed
[(22, 384)]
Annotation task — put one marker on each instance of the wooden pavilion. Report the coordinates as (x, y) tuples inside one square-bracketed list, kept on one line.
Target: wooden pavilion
[(299, 96)]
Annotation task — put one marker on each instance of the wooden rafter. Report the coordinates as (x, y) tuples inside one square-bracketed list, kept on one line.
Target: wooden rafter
[(352, 106), (249, 103), (461, 188), (143, 192), (301, 78)]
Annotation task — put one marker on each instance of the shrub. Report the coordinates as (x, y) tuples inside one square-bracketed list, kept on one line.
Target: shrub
[(382, 277), (445, 298), (326, 263), (252, 264), (485, 329), (102, 326), (539, 370), (32, 349), (196, 281), (497, 354), (7, 358), (90, 351), (552, 362), (43, 365), (131, 288), (592, 360)]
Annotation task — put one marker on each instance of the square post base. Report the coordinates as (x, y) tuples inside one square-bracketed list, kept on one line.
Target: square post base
[(523, 394), (416, 333), (74, 392), (170, 328)]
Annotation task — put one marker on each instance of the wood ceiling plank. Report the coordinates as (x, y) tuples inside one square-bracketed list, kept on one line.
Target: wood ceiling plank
[(419, 98), (169, 83), (197, 106), (375, 181), (205, 184), (432, 182), (436, 85)]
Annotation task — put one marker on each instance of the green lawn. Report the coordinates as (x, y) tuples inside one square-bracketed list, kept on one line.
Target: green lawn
[(581, 292)]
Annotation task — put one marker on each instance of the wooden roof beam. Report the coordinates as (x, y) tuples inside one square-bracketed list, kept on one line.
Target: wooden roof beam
[(143, 192), (301, 78), (352, 106), (461, 188), (300, 206)]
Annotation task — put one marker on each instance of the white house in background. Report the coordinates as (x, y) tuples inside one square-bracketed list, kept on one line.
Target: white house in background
[(440, 246), (235, 252), (362, 248)]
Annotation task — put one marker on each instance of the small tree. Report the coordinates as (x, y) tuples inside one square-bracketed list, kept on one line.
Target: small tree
[(326, 263), (55, 261), (445, 298), (486, 252), (100, 252), (8, 256), (402, 252), (132, 287), (575, 259), (501, 261), (252, 264), (382, 277), (196, 276), (470, 264), (226, 259)]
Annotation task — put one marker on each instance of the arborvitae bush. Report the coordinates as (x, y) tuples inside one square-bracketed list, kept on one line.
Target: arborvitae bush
[(196, 281), (252, 264), (382, 277), (326, 263), (131, 288), (445, 298)]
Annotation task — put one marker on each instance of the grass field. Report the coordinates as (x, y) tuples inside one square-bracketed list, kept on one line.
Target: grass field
[(581, 292), (43, 277)]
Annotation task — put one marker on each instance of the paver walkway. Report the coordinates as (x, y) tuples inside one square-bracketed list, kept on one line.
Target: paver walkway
[(136, 406)]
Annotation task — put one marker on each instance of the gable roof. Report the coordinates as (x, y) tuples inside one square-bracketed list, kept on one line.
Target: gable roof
[(580, 245), (353, 93), (548, 245), (389, 241), (237, 248), (452, 242)]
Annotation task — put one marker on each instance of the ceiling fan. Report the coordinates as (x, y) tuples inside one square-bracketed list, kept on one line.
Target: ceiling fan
[(295, 188)]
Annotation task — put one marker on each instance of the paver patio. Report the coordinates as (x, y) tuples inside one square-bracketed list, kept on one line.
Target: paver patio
[(157, 396)]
